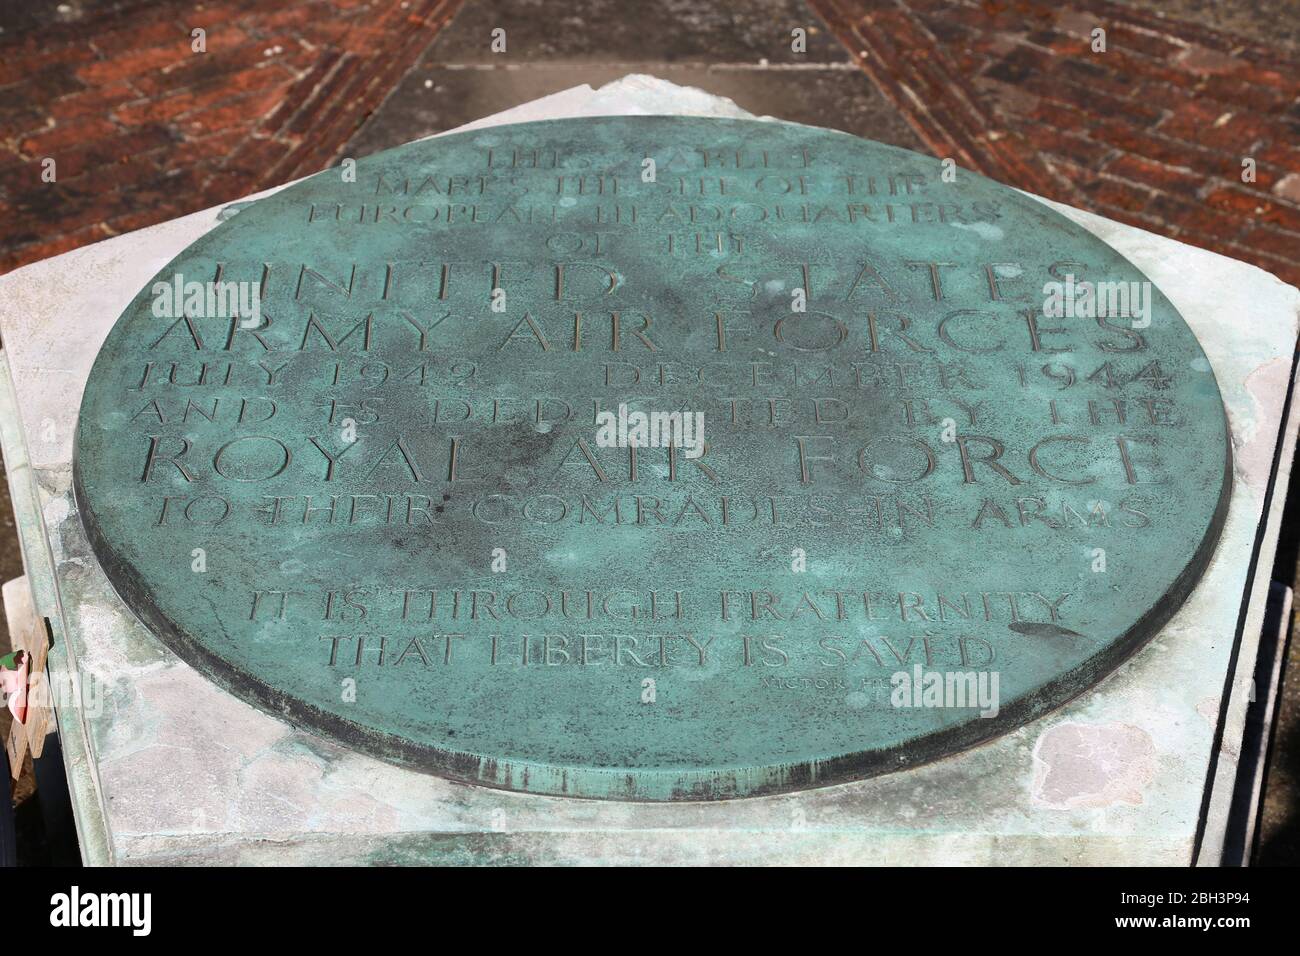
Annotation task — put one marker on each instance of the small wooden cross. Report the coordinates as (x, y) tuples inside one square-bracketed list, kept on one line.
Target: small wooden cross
[(27, 633)]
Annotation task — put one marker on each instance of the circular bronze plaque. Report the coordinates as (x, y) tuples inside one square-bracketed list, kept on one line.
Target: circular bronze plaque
[(652, 458)]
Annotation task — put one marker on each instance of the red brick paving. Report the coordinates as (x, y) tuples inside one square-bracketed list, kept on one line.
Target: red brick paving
[(143, 129), (1152, 132)]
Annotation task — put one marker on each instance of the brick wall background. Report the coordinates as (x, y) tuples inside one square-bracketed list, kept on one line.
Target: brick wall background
[(1151, 132), (143, 129)]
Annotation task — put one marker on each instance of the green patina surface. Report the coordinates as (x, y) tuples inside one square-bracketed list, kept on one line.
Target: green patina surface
[(386, 511)]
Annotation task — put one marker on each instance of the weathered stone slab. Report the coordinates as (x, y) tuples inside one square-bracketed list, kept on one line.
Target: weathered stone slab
[(245, 786), (911, 508)]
